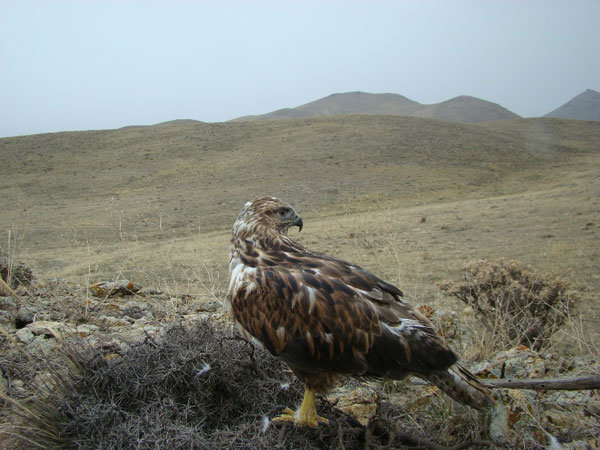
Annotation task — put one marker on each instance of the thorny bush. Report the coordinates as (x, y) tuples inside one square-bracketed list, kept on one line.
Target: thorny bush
[(195, 388), (515, 303)]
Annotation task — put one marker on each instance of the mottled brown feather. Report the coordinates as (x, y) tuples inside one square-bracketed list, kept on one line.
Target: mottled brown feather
[(326, 317), (323, 316)]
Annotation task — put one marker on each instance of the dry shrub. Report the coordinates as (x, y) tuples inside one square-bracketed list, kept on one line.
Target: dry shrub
[(14, 273), (198, 388), (515, 304)]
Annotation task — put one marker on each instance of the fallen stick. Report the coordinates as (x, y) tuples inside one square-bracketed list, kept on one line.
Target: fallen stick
[(547, 384), (540, 384)]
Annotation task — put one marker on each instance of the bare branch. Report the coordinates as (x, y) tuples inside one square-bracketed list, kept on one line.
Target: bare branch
[(547, 384), (540, 384)]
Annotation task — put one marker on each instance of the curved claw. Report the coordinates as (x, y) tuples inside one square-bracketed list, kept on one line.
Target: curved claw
[(290, 416), (306, 415)]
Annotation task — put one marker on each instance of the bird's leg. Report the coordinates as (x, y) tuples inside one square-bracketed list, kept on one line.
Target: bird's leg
[(306, 415)]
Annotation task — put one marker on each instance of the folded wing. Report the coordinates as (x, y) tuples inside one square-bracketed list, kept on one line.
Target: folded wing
[(323, 314)]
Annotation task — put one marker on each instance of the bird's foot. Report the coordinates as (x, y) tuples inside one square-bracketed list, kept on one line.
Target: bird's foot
[(300, 420)]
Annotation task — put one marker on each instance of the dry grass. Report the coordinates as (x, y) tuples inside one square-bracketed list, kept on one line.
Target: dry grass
[(153, 183), (411, 200), (547, 229)]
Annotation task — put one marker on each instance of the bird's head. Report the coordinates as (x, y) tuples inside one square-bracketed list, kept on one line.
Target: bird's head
[(266, 217)]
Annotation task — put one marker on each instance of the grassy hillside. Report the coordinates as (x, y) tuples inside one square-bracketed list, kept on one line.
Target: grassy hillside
[(194, 176), (410, 199)]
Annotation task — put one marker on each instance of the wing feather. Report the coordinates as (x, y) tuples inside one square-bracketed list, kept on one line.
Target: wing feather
[(320, 313)]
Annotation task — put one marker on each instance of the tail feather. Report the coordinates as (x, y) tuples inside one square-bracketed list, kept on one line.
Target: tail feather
[(462, 386)]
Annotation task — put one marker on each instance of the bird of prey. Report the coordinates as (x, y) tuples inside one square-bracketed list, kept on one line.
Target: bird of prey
[(326, 317)]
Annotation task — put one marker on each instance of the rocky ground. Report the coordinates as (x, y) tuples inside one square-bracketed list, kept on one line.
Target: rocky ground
[(114, 319)]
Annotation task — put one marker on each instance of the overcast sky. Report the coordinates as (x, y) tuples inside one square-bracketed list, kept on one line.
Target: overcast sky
[(75, 65)]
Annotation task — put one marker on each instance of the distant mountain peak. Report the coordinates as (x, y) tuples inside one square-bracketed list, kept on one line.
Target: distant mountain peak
[(463, 108), (584, 106)]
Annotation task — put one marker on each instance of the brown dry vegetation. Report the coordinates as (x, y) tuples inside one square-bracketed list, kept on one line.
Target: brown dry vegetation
[(410, 199), (156, 204)]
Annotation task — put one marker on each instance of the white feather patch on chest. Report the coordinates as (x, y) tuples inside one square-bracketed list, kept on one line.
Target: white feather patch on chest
[(241, 276)]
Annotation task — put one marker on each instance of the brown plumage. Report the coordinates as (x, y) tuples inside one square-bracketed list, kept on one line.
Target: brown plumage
[(326, 317)]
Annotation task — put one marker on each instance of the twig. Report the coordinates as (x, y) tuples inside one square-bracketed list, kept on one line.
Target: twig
[(6, 289), (547, 384), (540, 384)]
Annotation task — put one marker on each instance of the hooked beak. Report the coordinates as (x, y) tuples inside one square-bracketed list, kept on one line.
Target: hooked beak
[(298, 222)]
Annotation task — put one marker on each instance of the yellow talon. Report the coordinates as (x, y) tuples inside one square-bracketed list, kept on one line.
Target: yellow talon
[(287, 415), (306, 415)]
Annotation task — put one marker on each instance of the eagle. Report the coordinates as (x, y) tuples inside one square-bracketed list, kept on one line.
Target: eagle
[(326, 317)]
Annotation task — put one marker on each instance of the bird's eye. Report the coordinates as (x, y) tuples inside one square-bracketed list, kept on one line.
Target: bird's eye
[(283, 211)]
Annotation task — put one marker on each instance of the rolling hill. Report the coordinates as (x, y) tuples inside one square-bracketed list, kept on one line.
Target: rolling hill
[(585, 106), (409, 198), (464, 109), (189, 175)]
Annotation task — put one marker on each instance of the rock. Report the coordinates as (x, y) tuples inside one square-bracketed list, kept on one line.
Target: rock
[(41, 346), (26, 314), (562, 414), (7, 319), (211, 306), (518, 362), (152, 293), (50, 329), (25, 335), (114, 288), (360, 403), (108, 321), (7, 303), (134, 312), (86, 329)]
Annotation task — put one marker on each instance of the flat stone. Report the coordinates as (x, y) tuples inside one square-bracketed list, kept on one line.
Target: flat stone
[(360, 403), (50, 328), (109, 321), (25, 335)]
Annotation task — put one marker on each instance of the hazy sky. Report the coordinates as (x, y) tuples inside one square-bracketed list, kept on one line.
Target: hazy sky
[(73, 65)]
